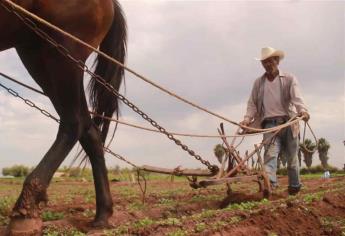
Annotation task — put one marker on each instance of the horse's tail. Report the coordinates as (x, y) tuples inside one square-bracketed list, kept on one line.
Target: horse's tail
[(114, 44)]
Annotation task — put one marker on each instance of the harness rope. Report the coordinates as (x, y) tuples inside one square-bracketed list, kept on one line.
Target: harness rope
[(313, 134)]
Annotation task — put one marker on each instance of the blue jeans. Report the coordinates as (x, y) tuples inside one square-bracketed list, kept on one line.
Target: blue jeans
[(282, 142)]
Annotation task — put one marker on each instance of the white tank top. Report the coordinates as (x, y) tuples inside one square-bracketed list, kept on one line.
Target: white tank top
[(272, 98)]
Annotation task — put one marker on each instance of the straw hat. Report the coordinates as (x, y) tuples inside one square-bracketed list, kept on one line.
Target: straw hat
[(268, 52)]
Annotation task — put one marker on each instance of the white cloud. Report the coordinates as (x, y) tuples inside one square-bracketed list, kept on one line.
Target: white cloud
[(327, 112)]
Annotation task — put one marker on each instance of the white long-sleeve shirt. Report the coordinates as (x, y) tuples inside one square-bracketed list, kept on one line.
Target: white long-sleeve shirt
[(290, 99)]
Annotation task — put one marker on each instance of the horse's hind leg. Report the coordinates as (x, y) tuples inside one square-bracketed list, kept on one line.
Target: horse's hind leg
[(50, 70), (92, 143)]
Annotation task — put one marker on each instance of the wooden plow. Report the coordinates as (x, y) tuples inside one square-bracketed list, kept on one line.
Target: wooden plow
[(233, 169)]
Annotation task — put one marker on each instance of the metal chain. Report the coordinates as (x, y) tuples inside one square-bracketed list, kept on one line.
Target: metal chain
[(64, 51), (30, 103), (120, 157)]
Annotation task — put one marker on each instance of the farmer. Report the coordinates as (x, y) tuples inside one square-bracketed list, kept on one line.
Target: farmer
[(270, 104)]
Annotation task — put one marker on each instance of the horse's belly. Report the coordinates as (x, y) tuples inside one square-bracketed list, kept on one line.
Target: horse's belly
[(88, 20)]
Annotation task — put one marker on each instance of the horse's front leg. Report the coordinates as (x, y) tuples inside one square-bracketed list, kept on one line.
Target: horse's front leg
[(25, 216)]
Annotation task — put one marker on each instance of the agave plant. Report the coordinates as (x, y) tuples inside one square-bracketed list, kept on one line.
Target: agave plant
[(219, 152), (322, 148), (308, 150)]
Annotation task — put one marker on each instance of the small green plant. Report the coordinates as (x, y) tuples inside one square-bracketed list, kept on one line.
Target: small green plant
[(330, 223), (200, 227), (219, 225), (4, 220), (89, 213), (127, 192), (234, 219), (326, 222), (166, 201), (121, 230), (178, 232), (205, 214), (50, 215), (5, 205), (136, 206), (55, 231), (311, 197), (170, 221), (247, 206), (243, 206), (142, 223)]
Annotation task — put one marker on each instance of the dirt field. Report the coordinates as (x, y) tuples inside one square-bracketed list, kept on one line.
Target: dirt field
[(173, 208)]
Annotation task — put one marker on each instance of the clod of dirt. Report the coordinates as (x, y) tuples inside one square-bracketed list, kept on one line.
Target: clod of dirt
[(289, 203), (80, 209), (337, 201)]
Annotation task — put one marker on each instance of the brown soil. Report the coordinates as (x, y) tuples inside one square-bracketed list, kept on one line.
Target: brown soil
[(319, 209)]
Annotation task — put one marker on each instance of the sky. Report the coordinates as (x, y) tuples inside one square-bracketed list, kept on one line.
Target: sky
[(203, 51)]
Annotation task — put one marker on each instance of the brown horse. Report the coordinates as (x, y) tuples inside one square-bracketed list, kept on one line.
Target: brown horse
[(99, 23)]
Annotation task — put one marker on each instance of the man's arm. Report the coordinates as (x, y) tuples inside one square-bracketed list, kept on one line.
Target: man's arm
[(297, 100), (251, 108)]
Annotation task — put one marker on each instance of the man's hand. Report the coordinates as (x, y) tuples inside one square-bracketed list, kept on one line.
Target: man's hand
[(245, 123), (305, 115)]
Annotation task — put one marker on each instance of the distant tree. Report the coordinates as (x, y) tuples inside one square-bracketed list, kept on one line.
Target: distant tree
[(219, 152), (16, 171), (115, 170), (322, 148), (308, 149), (74, 172)]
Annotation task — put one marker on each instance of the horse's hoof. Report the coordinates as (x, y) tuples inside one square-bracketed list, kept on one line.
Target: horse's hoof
[(100, 224), (25, 227)]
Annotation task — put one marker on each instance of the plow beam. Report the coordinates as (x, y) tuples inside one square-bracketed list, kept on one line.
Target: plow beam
[(177, 171)]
